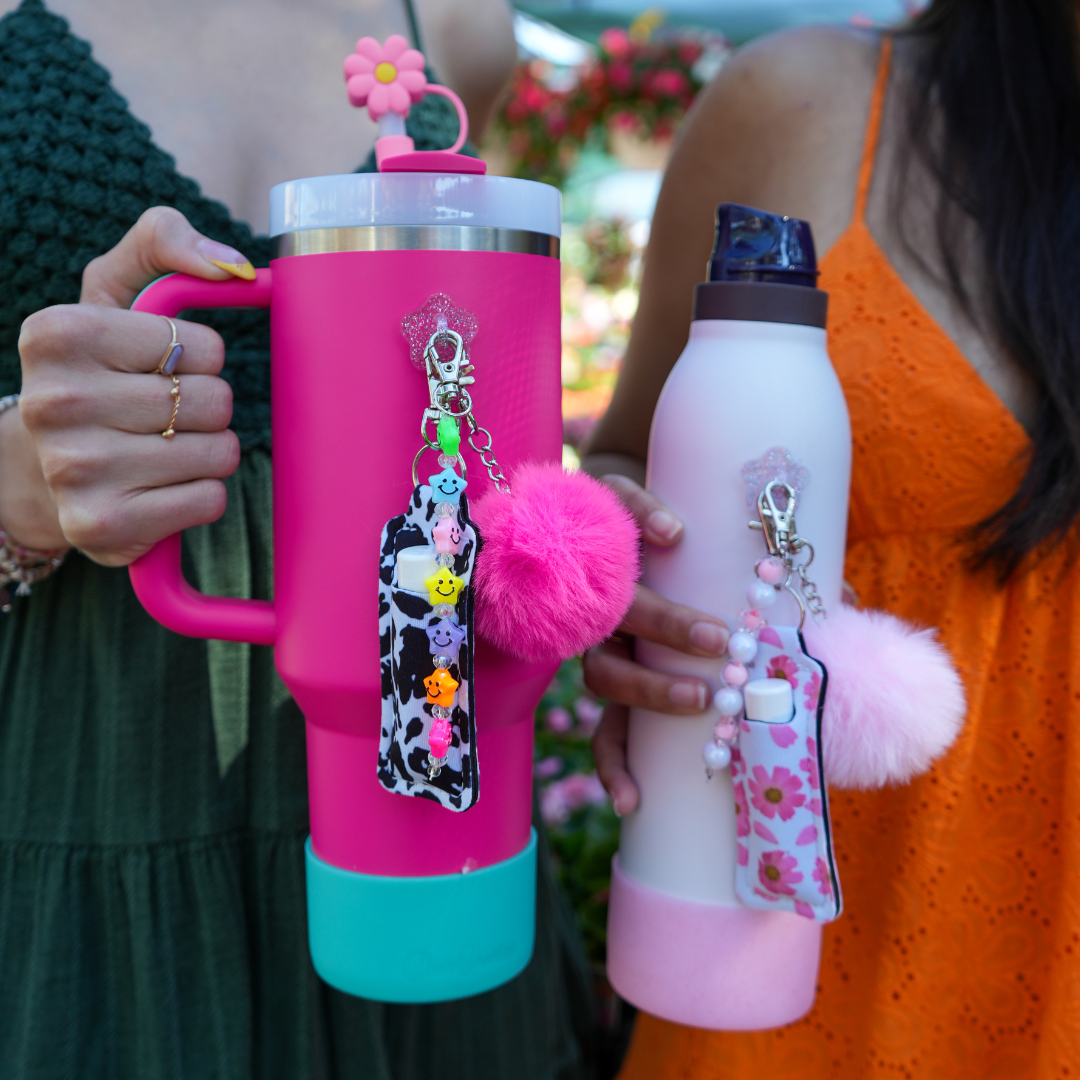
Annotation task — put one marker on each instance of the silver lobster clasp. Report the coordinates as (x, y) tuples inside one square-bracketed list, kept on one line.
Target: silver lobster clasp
[(448, 376), (778, 525)]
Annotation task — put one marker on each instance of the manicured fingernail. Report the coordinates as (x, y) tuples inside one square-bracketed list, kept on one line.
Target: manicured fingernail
[(708, 637), (226, 258), (691, 695), (664, 524)]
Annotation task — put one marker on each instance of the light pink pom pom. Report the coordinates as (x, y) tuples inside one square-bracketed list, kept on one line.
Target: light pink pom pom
[(894, 702), (557, 568)]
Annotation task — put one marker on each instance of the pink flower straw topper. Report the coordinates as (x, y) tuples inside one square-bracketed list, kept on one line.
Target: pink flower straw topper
[(386, 78)]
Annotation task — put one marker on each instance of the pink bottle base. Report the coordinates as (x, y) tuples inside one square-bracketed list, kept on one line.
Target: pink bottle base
[(706, 966)]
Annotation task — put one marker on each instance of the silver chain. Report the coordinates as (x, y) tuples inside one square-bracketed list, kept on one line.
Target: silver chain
[(783, 541), (486, 455), (814, 604)]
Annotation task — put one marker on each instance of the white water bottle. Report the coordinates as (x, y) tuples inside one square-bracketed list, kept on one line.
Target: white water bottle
[(754, 377)]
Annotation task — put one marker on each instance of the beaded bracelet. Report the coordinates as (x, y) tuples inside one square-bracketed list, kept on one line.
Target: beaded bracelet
[(19, 565)]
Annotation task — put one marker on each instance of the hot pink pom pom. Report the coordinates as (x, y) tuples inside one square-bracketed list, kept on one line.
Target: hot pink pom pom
[(893, 704), (558, 565)]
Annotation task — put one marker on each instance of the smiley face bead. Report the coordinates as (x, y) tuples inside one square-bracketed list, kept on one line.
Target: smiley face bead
[(447, 486), (440, 687), (448, 537), (443, 587)]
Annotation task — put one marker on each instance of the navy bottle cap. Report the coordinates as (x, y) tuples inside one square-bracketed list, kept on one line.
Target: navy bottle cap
[(754, 245)]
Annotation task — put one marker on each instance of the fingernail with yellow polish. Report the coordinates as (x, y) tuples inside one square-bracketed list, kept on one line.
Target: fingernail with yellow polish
[(226, 258)]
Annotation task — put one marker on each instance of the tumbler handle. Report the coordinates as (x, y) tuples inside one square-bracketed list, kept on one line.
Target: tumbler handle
[(156, 576)]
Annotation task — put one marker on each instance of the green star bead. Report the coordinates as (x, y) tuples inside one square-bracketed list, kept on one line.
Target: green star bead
[(448, 435)]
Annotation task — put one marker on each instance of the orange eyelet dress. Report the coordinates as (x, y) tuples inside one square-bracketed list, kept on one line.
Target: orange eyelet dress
[(958, 954)]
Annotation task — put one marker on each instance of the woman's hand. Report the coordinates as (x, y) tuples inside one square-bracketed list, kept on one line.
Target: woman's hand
[(611, 672), (102, 478)]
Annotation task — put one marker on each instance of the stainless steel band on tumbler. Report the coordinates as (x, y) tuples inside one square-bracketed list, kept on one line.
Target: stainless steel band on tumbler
[(413, 238)]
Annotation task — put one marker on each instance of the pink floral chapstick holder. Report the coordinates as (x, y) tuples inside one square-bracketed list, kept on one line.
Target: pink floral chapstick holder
[(785, 850)]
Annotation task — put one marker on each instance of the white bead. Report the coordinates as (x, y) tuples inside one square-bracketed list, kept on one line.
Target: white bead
[(728, 701), (742, 647), (761, 595), (444, 510), (716, 755)]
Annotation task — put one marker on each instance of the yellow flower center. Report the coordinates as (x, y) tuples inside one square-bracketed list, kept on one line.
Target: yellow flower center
[(772, 873), (773, 795), (385, 72)]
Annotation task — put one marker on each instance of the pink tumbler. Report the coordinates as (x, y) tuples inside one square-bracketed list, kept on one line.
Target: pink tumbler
[(407, 901)]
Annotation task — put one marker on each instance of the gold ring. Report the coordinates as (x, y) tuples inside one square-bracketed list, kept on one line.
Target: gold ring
[(167, 367), (173, 351)]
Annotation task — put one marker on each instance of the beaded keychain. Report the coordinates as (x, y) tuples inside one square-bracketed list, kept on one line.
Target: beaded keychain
[(775, 573), (427, 744), (785, 858)]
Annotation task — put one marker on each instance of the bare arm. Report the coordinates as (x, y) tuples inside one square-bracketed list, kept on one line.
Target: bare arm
[(780, 129)]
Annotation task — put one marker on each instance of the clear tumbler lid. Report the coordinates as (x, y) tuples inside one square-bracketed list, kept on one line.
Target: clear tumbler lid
[(414, 198)]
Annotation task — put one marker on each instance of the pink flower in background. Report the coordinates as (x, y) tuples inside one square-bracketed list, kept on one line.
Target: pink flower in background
[(588, 713), (385, 78), (804, 909), (562, 797), (615, 42), (670, 83), (558, 720), (823, 877), (809, 765), (811, 691), (744, 853), (549, 767), (776, 792), (783, 667), (816, 807), (742, 811), (778, 871), (621, 77)]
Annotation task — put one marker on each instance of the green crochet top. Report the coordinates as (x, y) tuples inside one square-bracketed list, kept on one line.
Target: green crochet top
[(153, 795)]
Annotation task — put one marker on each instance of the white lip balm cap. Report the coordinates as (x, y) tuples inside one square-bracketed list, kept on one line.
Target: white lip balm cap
[(769, 700), (414, 564)]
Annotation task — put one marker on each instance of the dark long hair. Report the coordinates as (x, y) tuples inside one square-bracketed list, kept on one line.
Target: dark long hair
[(1001, 78)]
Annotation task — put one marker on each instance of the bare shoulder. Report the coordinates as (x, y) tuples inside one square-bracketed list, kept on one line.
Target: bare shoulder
[(782, 125), (780, 128)]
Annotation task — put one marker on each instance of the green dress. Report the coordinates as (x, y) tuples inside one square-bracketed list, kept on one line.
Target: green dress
[(153, 801)]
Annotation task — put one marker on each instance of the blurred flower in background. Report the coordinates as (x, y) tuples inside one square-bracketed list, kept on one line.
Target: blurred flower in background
[(633, 88)]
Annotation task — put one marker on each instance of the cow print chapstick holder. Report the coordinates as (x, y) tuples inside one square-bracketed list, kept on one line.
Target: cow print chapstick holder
[(427, 744)]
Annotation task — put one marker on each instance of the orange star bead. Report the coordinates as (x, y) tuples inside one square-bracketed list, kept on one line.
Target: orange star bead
[(441, 687)]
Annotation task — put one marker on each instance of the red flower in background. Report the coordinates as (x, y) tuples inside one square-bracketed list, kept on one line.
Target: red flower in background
[(642, 82), (670, 83)]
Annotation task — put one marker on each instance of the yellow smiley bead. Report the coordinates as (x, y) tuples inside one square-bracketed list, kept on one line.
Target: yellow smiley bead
[(443, 587)]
